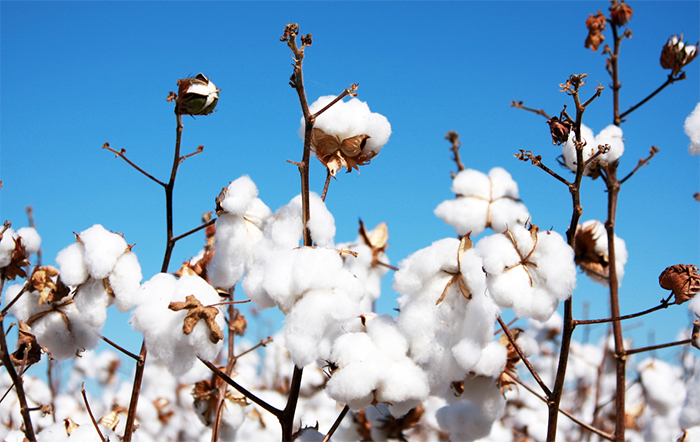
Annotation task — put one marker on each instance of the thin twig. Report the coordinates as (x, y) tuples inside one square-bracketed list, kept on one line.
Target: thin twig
[(274, 411), (519, 105), (13, 300), (196, 229), (664, 304), (529, 366), (347, 92), (453, 138), (642, 162), (123, 156), (126, 352), (262, 343), (670, 80), (325, 186), (92, 417), (588, 427), (656, 347), (199, 150), (537, 161), (336, 424)]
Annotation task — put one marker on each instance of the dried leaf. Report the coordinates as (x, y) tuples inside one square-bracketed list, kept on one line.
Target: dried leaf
[(110, 420), (683, 280), (70, 425), (239, 323), (197, 312)]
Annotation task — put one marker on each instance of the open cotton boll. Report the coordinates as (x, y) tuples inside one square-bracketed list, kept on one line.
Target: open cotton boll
[(92, 301), (692, 129), (239, 196), (125, 281), (102, 249), (592, 252), (233, 245), (30, 240), (663, 384), (7, 246), (483, 201), (71, 263), (361, 267), (611, 135), (531, 278), (52, 331), (690, 414)]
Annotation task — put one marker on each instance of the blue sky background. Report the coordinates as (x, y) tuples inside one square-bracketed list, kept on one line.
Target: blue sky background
[(75, 75)]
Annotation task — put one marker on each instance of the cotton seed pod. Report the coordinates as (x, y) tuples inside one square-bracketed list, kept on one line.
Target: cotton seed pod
[(595, 25), (683, 280), (196, 96), (675, 54), (620, 13)]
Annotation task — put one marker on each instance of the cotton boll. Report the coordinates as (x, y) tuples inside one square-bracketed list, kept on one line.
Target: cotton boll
[(493, 360), (51, 331), (92, 301), (588, 259), (71, 263), (663, 385), (54, 433), (569, 150), (611, 136), (690, 414), (321, 224), (404, 382), (102, 249), (125, 281), (692, 129), (7, 246), (30, 240), (354, 384), (239, 195), (465, 214)]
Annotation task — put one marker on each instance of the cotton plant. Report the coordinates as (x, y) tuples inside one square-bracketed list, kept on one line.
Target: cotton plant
[(528, 270), (181, 320), (347, 134), (483, 201), (369, 364), (611, 136), (591, 252), (15, 248), (241, 219), (445, 312), (308, 284)]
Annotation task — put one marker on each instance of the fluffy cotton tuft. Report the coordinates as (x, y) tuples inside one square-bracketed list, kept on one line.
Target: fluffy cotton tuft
[(611, 135), (532, 278), (483, 201), (692, 129), (102, 249), (589, 258), (346, 119), (27, 237)]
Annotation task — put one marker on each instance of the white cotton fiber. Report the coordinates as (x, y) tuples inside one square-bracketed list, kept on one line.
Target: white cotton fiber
[(125, 281), (30, 240), (690, 414), (239, 195), (92, 301), (7, 246), (692, 129), (483, 201), (600, 235), (321, 224), (102, 249), (346, 119), (71, 263), (611, 136)]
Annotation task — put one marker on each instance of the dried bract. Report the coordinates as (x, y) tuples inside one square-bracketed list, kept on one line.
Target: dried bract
[(196, 96), (27, 346), (620, 13), (595, 25), (335, 153), (197, 312), (683, 280), (560, 130), (675, 54)]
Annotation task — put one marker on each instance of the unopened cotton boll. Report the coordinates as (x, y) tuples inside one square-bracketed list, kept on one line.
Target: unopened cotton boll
[(483, 201), (692, 129)]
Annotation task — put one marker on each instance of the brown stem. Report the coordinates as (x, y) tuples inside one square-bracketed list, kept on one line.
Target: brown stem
[(325, 186), (126, 352), (453, 138), (347, 92), (588, 427), (664, 304), (287, 418), (123, 156), (671, 79), (274, 411), (529, 366), (262, 343), (13, 300), (195, 230), (615, 74), (18, 383), (230, 363), (336, 424), (642, 162), (92, 417), (656, 347), (519, 105), (537, 161)]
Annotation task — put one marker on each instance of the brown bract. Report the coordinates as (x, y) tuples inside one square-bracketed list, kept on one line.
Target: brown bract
[(49, 290), (464, 244), (683, 280), (594, 264), (559, 129), (28, 346), (197, 312), (620, 13), (595, 25), (505, 380), (335, 153), (375, 240), (18, 260), (675, 54)]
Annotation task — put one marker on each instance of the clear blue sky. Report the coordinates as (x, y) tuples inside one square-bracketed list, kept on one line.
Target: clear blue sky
[(75, 75)]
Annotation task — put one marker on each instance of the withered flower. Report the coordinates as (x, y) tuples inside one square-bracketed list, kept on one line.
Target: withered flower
[(560, 130), (196, 96), (595, 25), (683, 280), (197, 312), (675, 54), (620, 13)]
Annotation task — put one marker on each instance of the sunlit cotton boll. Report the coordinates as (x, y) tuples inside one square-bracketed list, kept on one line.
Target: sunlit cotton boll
[(611, 135), (483, 201), (594, 232), (102, 249), (71, 263), (532, 278), (7, 246), (692, 129), (30, 240), (163, 328)]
